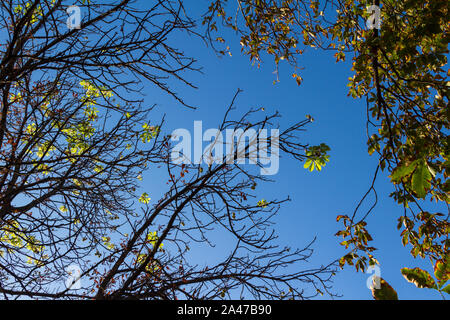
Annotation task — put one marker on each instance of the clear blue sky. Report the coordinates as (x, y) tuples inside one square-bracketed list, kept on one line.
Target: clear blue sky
[(316, 197)]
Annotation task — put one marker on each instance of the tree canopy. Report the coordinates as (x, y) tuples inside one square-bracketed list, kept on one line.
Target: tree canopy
[(75, 139)]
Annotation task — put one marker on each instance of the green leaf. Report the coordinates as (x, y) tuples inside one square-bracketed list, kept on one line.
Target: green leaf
[(421, 180), (262, 203), (144, 198), (447, 289), (318, 166), (419, 277), (307, 164), (442, 271), (384, 292), (403, 171)]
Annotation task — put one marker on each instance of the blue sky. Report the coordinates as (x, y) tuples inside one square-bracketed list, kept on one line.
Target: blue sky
[(318, 197)]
